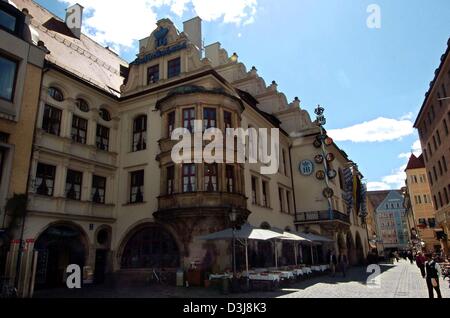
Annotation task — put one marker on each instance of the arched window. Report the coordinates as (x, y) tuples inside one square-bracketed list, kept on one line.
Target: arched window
[(140, 133), (82, 105), (105, 115), (56, 94), (151, 247)]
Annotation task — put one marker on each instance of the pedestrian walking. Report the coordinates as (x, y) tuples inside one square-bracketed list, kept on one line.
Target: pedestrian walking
[(420, 262), (433, 270), (343, 262), (410, 257), (333, 262)]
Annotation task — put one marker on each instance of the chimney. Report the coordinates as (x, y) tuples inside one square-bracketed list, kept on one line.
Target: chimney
[(74, 18), (193, 29), (212, 52)]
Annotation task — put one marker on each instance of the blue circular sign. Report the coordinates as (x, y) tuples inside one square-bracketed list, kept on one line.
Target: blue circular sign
[(306, 167)]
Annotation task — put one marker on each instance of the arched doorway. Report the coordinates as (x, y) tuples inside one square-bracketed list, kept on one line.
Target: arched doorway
[(151, 247), (342, 247), (265, 250), (351, 251), (359, 250), (59, 246)]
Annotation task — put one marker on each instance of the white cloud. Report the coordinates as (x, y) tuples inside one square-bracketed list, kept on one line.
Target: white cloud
[(377, 186), (396, 180), (377, 130), (119, 24), (416, 149)]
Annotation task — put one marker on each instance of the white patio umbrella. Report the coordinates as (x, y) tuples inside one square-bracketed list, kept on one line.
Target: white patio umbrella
[(246, 233), (289, 237), (314, 238)]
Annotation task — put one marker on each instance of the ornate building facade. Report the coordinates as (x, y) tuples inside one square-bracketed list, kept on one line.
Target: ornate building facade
[(21, 63), (420, 205), (392, 221), (104, 189), (433, 124)]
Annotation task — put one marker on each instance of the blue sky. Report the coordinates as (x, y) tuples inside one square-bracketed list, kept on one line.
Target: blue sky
[(371, 81)]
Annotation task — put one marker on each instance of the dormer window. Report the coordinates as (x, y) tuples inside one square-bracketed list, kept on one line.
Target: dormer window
[(11, 19), (7, 21), (105, 115), (82, 105), (174, 67), (153, 74), (56, 94)]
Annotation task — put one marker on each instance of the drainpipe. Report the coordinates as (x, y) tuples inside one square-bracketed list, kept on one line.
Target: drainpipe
[(293, 186)]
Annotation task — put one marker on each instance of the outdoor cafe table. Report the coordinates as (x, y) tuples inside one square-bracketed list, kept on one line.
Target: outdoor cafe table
[(220, 276)]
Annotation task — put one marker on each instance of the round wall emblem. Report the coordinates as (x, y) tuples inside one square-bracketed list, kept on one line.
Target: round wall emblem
[(320, 175), (328, 141), (306, 168), (332, 174), (330, 157), (319, 159), (328, 193), (317, 143)]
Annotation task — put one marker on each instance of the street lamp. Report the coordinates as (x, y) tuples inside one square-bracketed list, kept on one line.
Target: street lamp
[(233, 215)]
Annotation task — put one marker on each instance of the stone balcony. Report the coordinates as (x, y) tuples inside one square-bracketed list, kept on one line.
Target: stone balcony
[(64, 208), (200, 203)]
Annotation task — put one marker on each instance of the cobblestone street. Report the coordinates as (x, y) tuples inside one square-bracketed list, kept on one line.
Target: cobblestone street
[(396, 281)]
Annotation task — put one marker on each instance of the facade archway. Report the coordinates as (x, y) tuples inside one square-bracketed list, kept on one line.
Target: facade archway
[(359, 250), (59, 246), (342, 246), (150, 246), (351, 250)]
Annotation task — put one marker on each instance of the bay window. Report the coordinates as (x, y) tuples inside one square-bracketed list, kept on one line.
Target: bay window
[(209, 118), (230, 179), (188, 119), (210, 177), (189, 178)]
